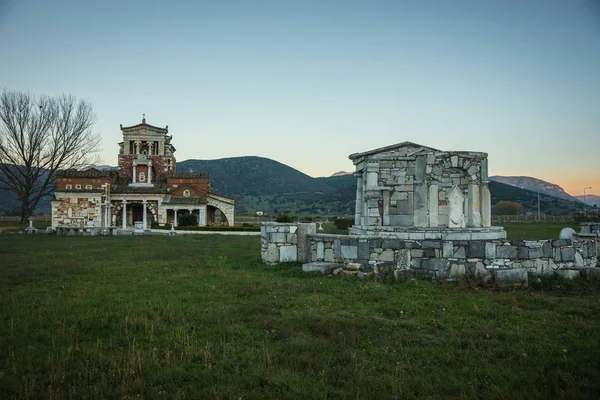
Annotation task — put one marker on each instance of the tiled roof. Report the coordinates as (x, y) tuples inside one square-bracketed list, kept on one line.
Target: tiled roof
[(89, 173), (185, 200)]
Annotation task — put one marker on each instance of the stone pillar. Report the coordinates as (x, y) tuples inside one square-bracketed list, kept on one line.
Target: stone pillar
[(144, 218), (124, 214), (149, 171), (420, 206), (474, 210), (174, 217), (202, 216), (386, 207), (303, 247), (433, 205), (134, 172), (359, 198), (372, 175), (486, 205), (108, 213), (161, 148)]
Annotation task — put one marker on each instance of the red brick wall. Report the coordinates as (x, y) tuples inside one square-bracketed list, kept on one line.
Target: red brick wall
[(159, 163), (201, 183), (95, 182)]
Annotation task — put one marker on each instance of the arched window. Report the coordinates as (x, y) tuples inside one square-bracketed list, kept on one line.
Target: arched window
[(142, 177)]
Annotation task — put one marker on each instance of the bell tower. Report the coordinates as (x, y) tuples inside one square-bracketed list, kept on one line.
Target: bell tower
[(145, 153)]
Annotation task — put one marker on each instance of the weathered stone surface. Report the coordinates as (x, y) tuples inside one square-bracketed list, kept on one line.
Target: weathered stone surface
[(490, 250), (476, 249), (457, 270), (350, 252), (328, 255), (567, 273), (567, 254), (288, 253), (353, 266), (323, 267), (447, 249), (507, 277), (590, 273), (506, 252), (403, 258), (387, 256), (271, 256)]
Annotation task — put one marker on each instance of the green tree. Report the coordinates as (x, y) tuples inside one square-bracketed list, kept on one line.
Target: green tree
[(39, 137), (506, 207)]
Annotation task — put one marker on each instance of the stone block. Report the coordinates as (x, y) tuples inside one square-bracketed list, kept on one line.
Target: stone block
[(402, 275), (505, 251), (523, 252), (278, 237), (509, 277), (403, 258), (482, 273), (567, 273), (393, 244), (590, 273), (579, 260), (320, 250), (457, 270), (271, 255), (490, 250), (447, 249), (387, 256), (418, 253), (322, 267), (288, 253), (476, 249), (437, 264), (547, 250), (460, 252), (567, 254), (431, 244), (328, 255), (536, 252), (350, 252)]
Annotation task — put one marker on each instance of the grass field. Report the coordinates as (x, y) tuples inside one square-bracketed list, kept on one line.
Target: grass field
[(200, 317)]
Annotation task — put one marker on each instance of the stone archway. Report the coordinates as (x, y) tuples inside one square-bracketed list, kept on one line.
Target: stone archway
[(225, 206)]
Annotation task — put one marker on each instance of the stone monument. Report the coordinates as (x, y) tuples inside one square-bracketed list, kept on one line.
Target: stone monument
[(408, 190)]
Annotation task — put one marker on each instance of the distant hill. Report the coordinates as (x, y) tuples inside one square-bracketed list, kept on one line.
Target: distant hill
[(258, 183), (590, 199), (535, 185), (342, 173)]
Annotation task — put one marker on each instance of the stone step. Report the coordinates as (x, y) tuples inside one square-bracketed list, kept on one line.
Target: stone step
[(323, 267)]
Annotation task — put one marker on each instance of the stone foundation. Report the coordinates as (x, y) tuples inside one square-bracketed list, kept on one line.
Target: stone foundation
[(447, 258), (285, 242)]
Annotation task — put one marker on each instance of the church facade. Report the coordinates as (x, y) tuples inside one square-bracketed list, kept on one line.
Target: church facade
[(145, 190)]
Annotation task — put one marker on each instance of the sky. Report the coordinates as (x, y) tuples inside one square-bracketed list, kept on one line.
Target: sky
[(308, 83)]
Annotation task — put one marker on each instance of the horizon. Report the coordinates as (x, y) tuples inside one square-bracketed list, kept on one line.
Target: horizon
[(306, 84)]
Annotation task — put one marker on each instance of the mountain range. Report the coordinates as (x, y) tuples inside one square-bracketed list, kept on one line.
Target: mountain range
[(258, 183)]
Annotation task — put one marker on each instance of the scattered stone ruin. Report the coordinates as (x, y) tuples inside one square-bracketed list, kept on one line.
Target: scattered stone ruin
[(428, 212)]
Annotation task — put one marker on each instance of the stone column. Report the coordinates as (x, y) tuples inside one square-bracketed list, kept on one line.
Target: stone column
[(486, 205), (108, 213), (386, 207), (372, 175), (149, 171), (174, 217), (359, 198), (433, 205), (124, 214), (202, 216), (474, 210), (144, 218), (134, 172)]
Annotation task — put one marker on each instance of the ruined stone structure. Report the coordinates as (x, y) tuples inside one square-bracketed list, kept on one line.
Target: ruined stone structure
[(146, 188), (424, 211), (407, 190)]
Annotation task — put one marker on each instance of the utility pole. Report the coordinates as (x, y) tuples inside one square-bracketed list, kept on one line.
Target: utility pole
[(539, 215), (584, 204)]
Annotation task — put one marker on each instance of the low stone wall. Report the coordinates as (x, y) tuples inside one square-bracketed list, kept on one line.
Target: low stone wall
[(285, 242), (446, 258)]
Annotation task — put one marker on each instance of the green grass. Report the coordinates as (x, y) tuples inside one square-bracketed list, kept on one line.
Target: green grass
[(531, 231), (201, 317)]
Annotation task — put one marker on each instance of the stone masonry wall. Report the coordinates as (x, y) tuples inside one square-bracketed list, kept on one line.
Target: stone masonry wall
[(285, 242), (445, 258)]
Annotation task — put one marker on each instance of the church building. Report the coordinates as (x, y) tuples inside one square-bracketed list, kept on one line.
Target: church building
[(145, 190)]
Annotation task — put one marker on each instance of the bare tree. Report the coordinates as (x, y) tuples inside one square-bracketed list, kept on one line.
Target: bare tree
[(40, 137)]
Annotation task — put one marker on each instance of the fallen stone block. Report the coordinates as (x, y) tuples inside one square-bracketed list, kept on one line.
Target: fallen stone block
[(568, 273), (323, 267), (590, 273), (510, 277), (353, 266)]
